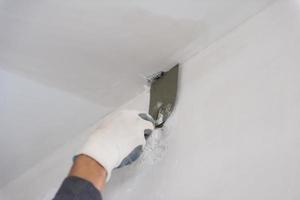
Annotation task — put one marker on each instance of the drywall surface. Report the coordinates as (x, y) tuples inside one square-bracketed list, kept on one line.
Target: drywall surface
[(35, 120), (99, 49), (234, 133)]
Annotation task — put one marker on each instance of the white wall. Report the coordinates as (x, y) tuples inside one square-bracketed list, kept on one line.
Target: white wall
[(35, 120), (234, 133)]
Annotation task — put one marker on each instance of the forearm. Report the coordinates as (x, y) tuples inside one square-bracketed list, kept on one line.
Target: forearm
[(85, 180), (87, 168)]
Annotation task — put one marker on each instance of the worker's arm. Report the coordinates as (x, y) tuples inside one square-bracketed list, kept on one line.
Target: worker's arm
[(116, 142), (85, 181)]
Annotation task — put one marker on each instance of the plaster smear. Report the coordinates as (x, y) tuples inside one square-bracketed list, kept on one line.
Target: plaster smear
[(155, 148)]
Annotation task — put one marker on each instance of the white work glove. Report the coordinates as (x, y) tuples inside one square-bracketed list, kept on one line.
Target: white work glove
[(117, 138)]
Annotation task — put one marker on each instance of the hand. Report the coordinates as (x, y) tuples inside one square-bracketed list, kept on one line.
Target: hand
[(119, 135)]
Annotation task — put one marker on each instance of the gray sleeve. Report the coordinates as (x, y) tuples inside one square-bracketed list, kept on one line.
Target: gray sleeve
[(77, 188)]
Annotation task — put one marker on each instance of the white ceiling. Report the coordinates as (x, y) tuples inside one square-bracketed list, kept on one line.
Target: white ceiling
[(100, 50), (72, 61)]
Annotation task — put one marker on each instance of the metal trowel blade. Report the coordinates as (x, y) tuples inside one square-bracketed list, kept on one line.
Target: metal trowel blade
[(163, 94)]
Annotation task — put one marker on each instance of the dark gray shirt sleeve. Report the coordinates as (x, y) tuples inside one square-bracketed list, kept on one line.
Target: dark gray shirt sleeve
[(75, 188)]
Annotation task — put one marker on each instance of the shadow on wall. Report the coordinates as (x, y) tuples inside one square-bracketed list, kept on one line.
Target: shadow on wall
[(95, 50)]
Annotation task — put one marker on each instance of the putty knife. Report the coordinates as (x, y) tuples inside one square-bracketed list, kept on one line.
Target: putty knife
[(163, 94)]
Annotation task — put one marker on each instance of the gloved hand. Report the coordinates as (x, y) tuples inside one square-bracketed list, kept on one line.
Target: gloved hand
[(119, 135)]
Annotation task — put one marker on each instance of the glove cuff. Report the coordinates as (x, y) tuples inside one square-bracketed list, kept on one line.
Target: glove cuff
[(103, 152)]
